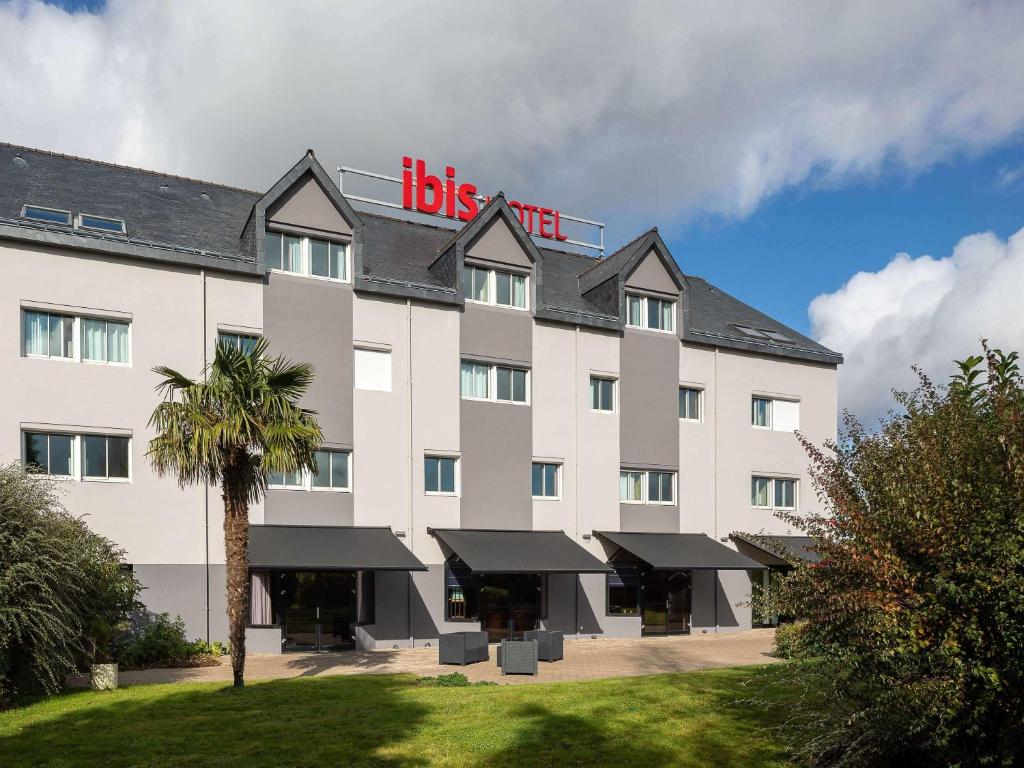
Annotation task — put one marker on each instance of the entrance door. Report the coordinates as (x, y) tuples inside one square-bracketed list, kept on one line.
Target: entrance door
[(510, 599), (666, 602), (316, 609)]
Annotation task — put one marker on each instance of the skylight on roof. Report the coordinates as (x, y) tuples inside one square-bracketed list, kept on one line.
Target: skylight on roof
[(100, 224), (776, 336), (753, 333), (47, 215)]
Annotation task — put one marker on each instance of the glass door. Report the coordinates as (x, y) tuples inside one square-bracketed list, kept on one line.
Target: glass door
[(509, 603), (316, 609), (665, 602)]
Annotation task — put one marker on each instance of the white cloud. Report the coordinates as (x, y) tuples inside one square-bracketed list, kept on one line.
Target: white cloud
[(923, 311), (659, 109)]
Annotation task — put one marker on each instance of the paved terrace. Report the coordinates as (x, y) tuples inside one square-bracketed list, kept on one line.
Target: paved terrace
[(584, 660)]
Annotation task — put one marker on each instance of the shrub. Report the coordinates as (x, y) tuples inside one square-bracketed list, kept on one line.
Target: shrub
[(157, 640), (919, 592), (65, 590), (789, 640), (453, 680)]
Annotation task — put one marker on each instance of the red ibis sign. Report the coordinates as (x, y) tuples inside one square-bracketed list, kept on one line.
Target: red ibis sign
[(427, 193)]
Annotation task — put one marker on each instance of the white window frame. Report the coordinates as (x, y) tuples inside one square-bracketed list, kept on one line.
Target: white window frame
[(558, 479), (348, 472), (390, 366), (645, 488), (492, 287), (492, 382), (79, 224), (771, 425), (644, 317), (236, 337), (305, 257), (92, 479), (772, 479), (700, 403), (306, 481), (78, 455), (26, 206), (76, 336), (615, 393), (458, 475)]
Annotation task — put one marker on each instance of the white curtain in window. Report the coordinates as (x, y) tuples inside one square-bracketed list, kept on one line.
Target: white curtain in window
[(666, 315), (36, 333), (117, 342), (474, 380), (94, 340), (293, 254), (373, 369), (260, 610), (518, 291)]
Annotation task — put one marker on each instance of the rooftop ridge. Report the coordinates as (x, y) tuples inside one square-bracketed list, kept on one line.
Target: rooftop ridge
[(619, 250), (107, 164)]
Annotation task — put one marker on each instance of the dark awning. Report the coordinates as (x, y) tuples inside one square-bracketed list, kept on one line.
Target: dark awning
[(786, 550), (327, 547), (681, 551), (518, 551)]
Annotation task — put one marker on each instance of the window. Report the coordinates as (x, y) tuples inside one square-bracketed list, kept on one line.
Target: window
[(46, 215), (52, 454), (763, 334), (462, 590), (69, 337), (105, 341), (104, 458), (623, 591), (602, 394), (306, 256), (333, 473), (779, 415), (332, 470), (648, 312), (545, 480), (689, 403), (81, 457), (440, 475), (489, 286), (773, 493), (373, 369), (659, 488), (479, 381), (646, 487), (511, 384), (49, 335), (242, 341), (366, 589), (100, 224)]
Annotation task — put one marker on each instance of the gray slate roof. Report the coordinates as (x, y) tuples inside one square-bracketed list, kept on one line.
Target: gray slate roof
[(159, 209), (171, 218)]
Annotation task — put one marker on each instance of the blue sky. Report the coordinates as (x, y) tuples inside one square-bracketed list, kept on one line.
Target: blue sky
[(810, 240)]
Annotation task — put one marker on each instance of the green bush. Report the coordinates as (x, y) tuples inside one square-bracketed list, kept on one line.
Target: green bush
[(64, 590), (453, 680), (788, 640), (157, 640), (919, 593)]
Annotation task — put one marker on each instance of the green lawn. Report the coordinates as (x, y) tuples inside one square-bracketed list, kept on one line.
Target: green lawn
[(690, 719)]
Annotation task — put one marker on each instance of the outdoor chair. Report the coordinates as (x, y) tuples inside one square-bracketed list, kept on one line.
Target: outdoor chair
[(549, 644), (518, 657), (463, 648)]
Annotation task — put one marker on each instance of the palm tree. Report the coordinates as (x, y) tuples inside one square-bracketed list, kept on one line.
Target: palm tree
[(236, 425)]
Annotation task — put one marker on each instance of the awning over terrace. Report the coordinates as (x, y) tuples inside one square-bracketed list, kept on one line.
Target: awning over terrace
[(487, 551), (326, 547), (680, 551), (778, 551)]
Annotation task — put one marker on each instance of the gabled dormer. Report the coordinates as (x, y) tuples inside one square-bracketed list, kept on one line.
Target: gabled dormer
[(304, 225), (641, 283), (492, 260)]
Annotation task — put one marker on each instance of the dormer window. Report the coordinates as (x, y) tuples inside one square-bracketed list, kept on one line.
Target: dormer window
[(100, 224), (492, 286), (650, 313), (46, 215), (308, 256)]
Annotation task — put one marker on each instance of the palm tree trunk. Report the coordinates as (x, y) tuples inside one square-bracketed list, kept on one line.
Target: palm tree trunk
[(236, 546)]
